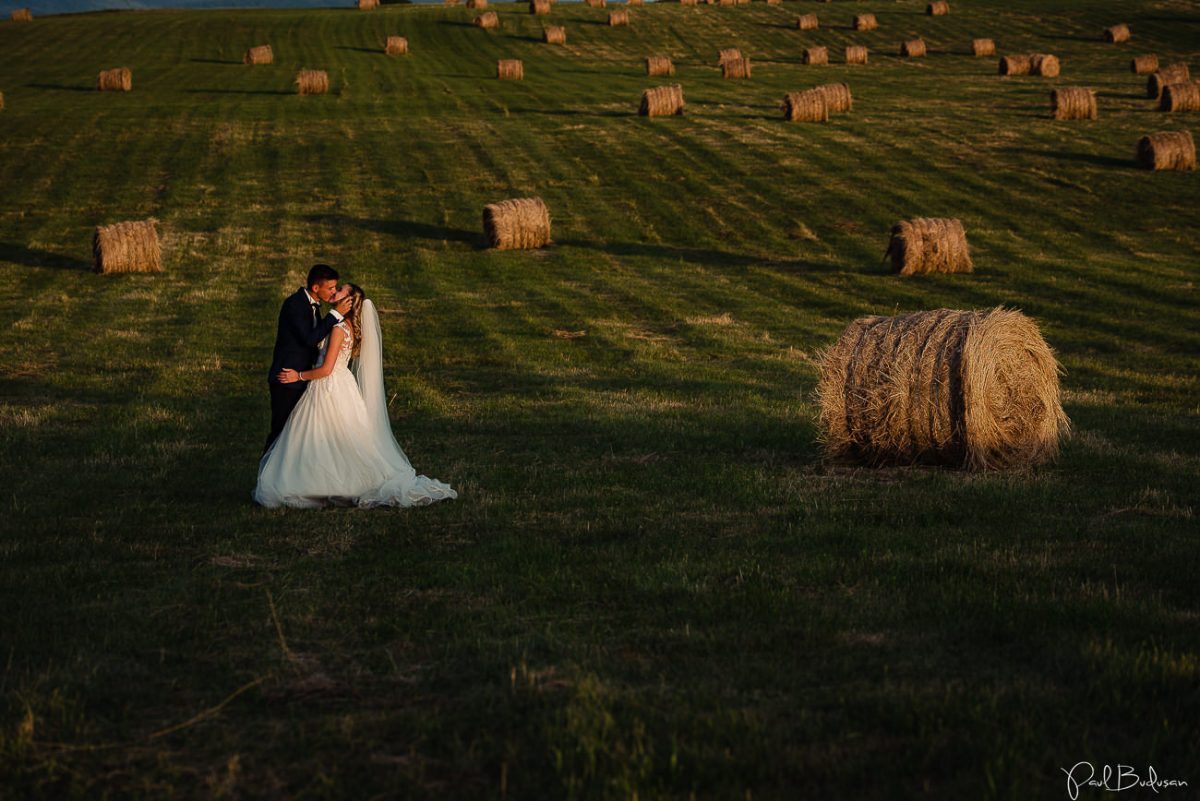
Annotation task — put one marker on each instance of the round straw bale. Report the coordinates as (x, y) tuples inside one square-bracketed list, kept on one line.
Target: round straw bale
[(856, 54), (1169, 150), (539, 7), (837, 97), (808, 22), (815, 55), (312, 82), (635, 2), (617, 17), (929, 245), (1016, 65), (913, 48), (659, 65), (518, 224), (689, 2), (477, 5), (1044, 64), (662, 101), (736, 68), (865, 22), (1172, 73), (1143, 65), (127, 247), (774, 2), (554, 34), (1180, 97), (487, 20), (398, 45), (971, 389), (983, 47), (940, 8), (263, 54), (1117, 33), (1073, 103), (728, 54), (115, 80), (22, 15), (510, 69), (806, 106), (367, 5), (596, 3), (449, 2), (1, 101)]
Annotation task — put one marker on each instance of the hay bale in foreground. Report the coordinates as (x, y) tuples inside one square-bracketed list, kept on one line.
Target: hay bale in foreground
[(22, 15), (736, 68), (865, 22), (971, 389), (807, 22), (659, 65), (1144, 65), (1016, 65), (487, 20), (1169, 150), (618, 17), (1044, 65), (367, 5), (539, 7), (940, 8), (263, 54), (127, 247), (837, 97), (913, 48), (312, 82), (1162, 77), (1073, 103), (983, 47), (1180, 97), (856, 54), (115, 80), (510, 69), (397, 45), (1117, 34), (806, 106), (815, 55), (554, 34), (518, 224), (929, 245), (662, 101)]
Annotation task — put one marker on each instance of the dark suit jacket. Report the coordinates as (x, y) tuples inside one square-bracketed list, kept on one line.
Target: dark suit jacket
[(296, 339)]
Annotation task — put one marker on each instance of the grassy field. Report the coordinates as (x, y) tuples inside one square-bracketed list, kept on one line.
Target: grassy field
[(651, 585)]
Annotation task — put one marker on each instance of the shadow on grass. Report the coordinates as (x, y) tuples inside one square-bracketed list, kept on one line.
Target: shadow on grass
[(214, 61), (238, 92), (375, 51), (32, 257), (711, 258), (405, 229), (61, 87), (569, 112), (1065, 155)]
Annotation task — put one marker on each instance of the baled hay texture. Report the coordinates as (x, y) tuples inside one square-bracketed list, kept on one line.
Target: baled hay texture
[(1044, 64), (738, 68), (117, 80), (983, 47), (127, 247), (487, 20), (1144, 65), (1181, 97), (518, 224), (662, 101), (807, 106), (1073, 103), (689, 2), (397, 45), (1172, 73), (774, 2), (815, 55), (913, 48), (510, 69), (596, 3), (22, 15), (929, 245), (728, 54), (635, 2), (1016, 65), (971, 389), (476, 5), (837, 97), (367, 5), (449, 2), (618, 17), (1170, 150), (539, 7), (263, 54), (856, 54), (659, 65), (938, 9), (865, 22), (1117, 33), (554, 34), (312, 82), (808, 22), (1, 101)]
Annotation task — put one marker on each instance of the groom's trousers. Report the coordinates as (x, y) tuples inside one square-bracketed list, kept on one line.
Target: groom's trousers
[(284, 398)]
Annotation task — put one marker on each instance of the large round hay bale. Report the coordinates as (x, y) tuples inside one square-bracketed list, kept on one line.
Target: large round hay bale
[(969, 389), (115, 80), (396, 46), (22, 15), (929, 245), (1073, 103), (774, 2), (510, 69), (1044, 64), (865, 22), (487, 20), (1016, 65), (554, 34), (476, 5), (913, 48), (659, 65), (689, 2), (940, 8), (983, 47), (1144, 64), (815, 55), (263, 54), (127, 247), (806, 106), (1169, 150), (728, 54), (518, 224), (662, 101), (539, 7), (856, 54), (618, 17), (367, 5), (312, 82), (837, 97), (1117, 33), (1181, 97), (635, 2), (596, 3), (736, 68), (807, 22), (1172, 73)]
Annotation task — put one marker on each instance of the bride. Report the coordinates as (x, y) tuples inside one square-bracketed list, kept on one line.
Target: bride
[(337, 446)]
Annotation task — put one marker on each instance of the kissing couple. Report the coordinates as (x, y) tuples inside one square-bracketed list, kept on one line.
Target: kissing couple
[(331, 442)]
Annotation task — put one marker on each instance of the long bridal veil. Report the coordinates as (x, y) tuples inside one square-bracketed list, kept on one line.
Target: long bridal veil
[(368, 371)]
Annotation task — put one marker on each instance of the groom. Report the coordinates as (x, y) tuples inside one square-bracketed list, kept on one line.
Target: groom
[(301, 329)]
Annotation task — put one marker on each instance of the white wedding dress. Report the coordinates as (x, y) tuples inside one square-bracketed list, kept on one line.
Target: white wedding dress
[(337, 448)]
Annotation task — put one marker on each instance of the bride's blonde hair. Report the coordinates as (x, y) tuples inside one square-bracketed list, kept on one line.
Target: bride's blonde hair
[(357, 296)]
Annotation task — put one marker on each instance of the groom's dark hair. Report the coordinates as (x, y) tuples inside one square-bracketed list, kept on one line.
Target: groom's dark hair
[(319, 273)]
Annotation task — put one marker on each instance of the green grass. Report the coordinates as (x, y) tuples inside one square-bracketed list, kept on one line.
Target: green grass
[(651, 584)]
